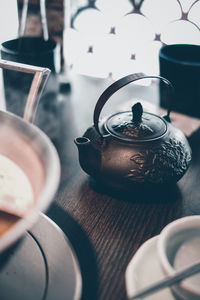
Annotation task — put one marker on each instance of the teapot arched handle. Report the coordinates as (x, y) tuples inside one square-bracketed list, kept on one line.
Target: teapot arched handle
[(114, 87)]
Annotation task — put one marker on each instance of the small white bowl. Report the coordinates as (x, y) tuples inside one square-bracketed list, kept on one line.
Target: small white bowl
[(178, 247)]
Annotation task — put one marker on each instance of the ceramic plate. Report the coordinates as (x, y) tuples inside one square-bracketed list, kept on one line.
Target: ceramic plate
[(144, 270), (43, 266)]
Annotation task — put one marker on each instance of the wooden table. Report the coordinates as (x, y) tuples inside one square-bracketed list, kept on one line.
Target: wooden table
[(107, 228)]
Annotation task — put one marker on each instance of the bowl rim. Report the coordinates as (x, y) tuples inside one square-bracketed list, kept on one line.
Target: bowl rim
[(46, 46), (170, 58), (178, 225)]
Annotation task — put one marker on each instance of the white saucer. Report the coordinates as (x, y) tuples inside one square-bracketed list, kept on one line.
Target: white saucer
[(144, 270)]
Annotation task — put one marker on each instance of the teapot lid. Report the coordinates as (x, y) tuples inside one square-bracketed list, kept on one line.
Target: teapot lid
[(136, 125)]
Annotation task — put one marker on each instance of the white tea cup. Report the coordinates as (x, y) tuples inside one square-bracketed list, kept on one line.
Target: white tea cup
[(179, 247)]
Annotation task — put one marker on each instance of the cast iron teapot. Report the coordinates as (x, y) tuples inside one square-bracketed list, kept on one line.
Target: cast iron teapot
[(133, 146)]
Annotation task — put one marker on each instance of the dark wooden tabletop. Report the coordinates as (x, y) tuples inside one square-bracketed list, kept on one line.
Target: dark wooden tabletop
[(104, 227)]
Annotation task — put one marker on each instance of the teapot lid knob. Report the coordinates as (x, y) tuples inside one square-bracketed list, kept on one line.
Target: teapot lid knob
[(137, 111), (136, 125)]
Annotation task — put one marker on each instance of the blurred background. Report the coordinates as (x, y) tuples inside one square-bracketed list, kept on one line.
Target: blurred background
[(108, 37)]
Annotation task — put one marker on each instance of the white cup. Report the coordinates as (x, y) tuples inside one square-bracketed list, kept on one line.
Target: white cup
[(178, 247)]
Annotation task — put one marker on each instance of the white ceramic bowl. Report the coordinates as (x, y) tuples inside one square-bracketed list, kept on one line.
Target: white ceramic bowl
[(178, 247)]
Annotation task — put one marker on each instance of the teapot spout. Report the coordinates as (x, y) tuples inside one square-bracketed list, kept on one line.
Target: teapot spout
[(82, 143), (89, 157)]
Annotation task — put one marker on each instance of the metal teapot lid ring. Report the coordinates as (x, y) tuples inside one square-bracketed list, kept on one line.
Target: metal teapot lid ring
[(123, 82)]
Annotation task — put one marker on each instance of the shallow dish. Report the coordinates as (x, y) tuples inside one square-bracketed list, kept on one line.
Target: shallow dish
[(144, 269)]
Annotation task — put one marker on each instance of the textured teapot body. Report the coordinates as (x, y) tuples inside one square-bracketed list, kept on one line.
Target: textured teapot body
[(120, 164), (133, 147)]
